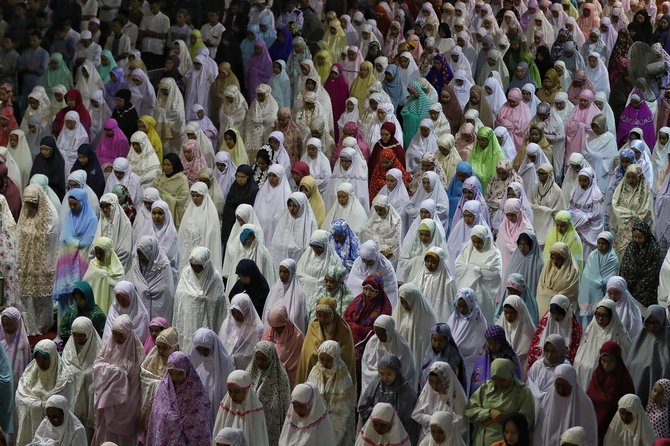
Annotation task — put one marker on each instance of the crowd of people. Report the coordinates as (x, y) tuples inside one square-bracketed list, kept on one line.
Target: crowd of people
[(309, 222)]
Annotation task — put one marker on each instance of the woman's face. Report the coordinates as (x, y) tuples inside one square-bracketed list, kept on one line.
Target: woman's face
[(557, 259), (477, 243), (511, 433), (663, 138), (158, 217), (593, 62), (482, 142), (584, 181), (293, 208), (391, 182), (386, 376), (343, 198), (196, 198), (632, 179), (510, 314), (241, 179), (345, 163), (168, 169), (385, 136), (425, 183), (602, 316)]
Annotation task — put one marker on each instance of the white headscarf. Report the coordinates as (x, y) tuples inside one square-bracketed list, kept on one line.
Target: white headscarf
[(497, 97), (248, 415), (586, 208), (637, 432), (79, 360), (588, 353), (118, 228), (24, 160), (598, 75), (461, 231), (167, 236), (481, 270), (384, 231), (562, 328), (271, 200), (200, 227), (292, 234), (348, 116), (468, 330), (213, 369), (312, 268), (199, 300), (143, 96), (397, 436), (398, 197), (256, 251), (232, 114), (462, 92), (356, 175), (353, 212), (290, 294), (375, 349), (36, 386), (449, 398), (71, 432), (558, 413), (135, 310), (69, 140), (169, 108), (626, 306), (413, 249), (144, 164), (316, 427), (247, 214), (420, 145), (407, 75), (155, 282), (240, 338), (319, 167), (227, 177), (359, 271), (414, 325), (519, 333), (437, 193)]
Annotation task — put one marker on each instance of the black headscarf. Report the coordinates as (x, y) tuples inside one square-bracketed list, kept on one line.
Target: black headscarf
[(236, 196), (126, 116), (177, 166), (174, 73), (53, 167), (543, 61), (257, 289), (643, 31), (95, 178)]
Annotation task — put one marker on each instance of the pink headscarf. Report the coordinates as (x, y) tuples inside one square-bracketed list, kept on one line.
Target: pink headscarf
[(288, 343), (351, 128), (116, 380), (180, 414), (192, 168), (573, 92), (578, 125), (111, 148), (509, 232), (16, 344), (151, 342), (586, 24), (515, 119)]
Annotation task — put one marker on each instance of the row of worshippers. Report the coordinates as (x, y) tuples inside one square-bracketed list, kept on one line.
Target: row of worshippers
[(100, 378)]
